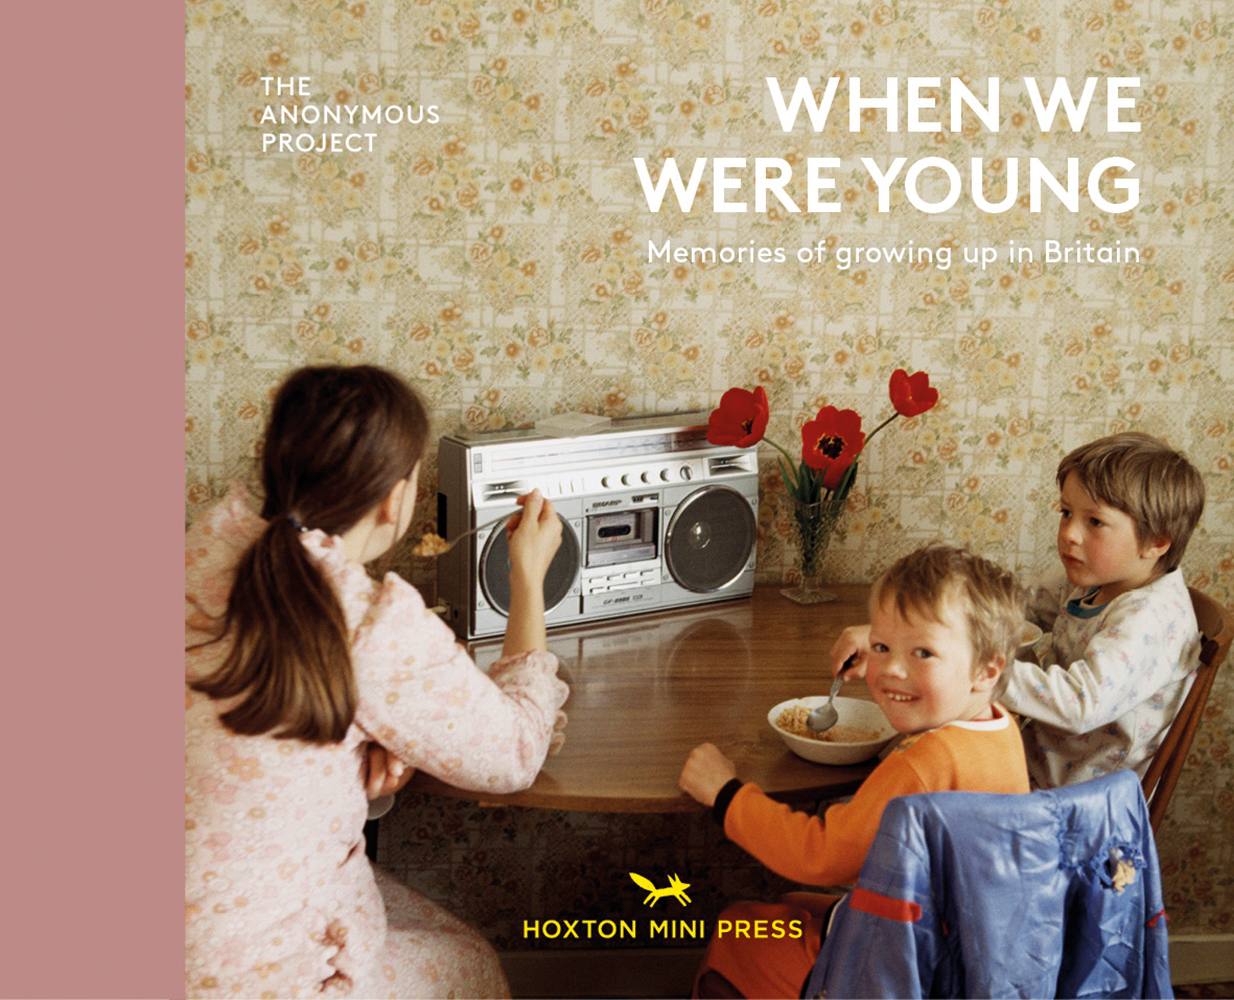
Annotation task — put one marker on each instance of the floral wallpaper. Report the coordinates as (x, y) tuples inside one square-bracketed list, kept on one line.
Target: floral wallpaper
[(492, 246)]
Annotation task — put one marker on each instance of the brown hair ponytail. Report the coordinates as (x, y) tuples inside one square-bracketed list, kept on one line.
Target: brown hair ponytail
[(338, 440)]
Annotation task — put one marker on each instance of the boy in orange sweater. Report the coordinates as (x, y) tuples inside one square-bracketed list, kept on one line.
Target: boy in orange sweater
[(943, 625)]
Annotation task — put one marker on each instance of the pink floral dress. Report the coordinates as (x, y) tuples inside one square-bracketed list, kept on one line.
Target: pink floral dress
[(280, 899)]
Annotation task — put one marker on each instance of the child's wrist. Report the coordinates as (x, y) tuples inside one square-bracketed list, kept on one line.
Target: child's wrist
[(719, 808), (526, 581)]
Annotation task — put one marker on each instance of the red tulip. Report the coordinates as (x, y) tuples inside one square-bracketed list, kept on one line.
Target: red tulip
[(911, 394), (830, 442), (741, 418)]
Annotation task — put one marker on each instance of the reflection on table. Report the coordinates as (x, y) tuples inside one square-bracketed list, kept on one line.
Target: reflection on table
[(646, 690)]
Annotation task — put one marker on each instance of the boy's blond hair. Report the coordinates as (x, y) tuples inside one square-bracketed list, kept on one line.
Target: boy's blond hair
[(1148, 481), (992, 598)]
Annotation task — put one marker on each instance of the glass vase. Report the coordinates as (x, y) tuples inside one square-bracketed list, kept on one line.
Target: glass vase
[(813, 524)]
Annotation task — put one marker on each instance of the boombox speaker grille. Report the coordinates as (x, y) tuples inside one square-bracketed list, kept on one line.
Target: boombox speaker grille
[(709, 539), (495, 569)]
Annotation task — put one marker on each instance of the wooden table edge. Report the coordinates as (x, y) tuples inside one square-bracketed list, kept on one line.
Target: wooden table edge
[(530, 798)]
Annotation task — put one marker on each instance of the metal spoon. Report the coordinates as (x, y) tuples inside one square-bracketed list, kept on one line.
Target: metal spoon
[(826, 716), (458, 538)]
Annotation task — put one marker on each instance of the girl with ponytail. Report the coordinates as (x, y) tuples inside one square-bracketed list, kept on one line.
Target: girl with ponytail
[(299, 667)]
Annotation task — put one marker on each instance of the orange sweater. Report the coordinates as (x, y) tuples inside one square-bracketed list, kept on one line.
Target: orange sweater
[(961, 756)]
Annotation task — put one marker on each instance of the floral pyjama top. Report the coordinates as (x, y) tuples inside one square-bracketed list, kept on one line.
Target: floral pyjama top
[(1108, 681), (280, 898)]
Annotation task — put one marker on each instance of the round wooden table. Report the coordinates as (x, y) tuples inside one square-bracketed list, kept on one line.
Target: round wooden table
[(644, 691)]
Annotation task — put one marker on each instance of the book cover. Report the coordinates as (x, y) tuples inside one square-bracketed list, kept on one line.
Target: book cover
[(532, 208)]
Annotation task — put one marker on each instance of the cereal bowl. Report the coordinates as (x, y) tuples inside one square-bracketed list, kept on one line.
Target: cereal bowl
[(1029, 633), (858, 718)]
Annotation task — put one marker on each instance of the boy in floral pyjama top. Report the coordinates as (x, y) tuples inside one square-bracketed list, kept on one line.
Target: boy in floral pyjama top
[(1121, 640)]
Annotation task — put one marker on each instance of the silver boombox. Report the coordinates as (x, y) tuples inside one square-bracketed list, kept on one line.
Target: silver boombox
[(654, 517)]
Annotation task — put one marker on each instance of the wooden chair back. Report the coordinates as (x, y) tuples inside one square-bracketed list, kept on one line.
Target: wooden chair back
[(1216, 631)]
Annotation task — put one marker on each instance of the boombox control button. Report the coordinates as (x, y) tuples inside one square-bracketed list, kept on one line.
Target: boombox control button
[(604, 481), (645, 477), (664, 475), (625, 480), (687, 472)]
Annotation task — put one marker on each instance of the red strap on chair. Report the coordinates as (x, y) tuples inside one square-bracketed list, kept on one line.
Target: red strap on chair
[(879, 905)]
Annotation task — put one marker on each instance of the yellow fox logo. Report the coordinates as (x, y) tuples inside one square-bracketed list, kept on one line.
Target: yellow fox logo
[(675, 887)]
